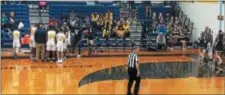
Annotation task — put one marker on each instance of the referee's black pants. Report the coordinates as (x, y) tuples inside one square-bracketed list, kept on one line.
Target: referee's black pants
[(132, 75)]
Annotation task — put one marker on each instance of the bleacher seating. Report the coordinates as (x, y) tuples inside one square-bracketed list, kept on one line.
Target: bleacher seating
[(21, 13), (55, 10), (156, 9)]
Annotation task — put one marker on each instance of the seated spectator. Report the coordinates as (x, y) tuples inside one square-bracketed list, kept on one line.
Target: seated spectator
[(167, 18), (100, 23), (106, 32), (120, 30), (126, 27), (87, 20), (177, 20), (94, 19), (161, 27), (161, 41), (109, 17), (154, 16), (160, 17), (127, 21), (171, 20), (113, 30), (148, 11)]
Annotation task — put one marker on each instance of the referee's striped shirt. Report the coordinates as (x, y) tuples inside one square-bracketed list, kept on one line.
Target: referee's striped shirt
[(132, 60)]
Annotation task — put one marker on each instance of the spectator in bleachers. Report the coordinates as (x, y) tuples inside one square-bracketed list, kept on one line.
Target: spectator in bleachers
[(106, 32), (120, 30), (94, 19), (148, 11), (176, 20), (160, 17), (154, 16), (109, 18), (40, 39), (167, 17), (100, 23), (161, 41), (113, 30), (42, 5), (126, 27), (161, 27), (127, 21)]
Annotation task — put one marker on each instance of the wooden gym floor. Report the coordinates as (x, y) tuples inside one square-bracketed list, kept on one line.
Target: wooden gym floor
[(23, 76)]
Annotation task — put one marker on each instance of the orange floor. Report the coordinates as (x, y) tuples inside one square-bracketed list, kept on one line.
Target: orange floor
[(23, 76)]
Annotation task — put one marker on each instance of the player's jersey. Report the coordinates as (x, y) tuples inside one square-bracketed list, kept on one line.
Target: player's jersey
[(61, 37), (32, 31), (51, 35), (16, 35)]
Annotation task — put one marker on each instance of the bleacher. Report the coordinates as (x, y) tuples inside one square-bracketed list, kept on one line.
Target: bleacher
[(21, 13), (81, 8)]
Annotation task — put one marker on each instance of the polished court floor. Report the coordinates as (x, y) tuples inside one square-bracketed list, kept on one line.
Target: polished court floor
[(23, 76)]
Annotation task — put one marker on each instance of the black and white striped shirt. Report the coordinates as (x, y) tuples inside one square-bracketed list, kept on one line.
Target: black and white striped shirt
[(132, 60)]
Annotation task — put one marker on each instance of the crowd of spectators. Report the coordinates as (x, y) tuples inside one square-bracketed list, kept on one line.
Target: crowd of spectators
[(170, 26), (106, 26)]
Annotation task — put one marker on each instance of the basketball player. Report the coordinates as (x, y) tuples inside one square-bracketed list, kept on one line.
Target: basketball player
[(51, 47), (16, 42), (60, 46), (68, 41), (32, 41), (133, 71)]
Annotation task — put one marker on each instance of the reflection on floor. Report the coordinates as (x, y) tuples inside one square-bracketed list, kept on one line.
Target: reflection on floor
[(23, 76)]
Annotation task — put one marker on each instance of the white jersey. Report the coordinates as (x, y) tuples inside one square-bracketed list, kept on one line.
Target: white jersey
[(51, 35), (61, 37), (51, 41), (16, 35), (32, 32), (16, 39)]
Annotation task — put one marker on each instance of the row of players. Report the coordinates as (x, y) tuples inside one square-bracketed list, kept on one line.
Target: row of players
[(54, 42)]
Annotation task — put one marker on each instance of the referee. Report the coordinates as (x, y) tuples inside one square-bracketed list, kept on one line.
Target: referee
[(133, 71)]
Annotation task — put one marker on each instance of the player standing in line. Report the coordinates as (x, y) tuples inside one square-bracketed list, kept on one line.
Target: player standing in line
[(60, 46), (51, 46), (32, 42), (16, 42)]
